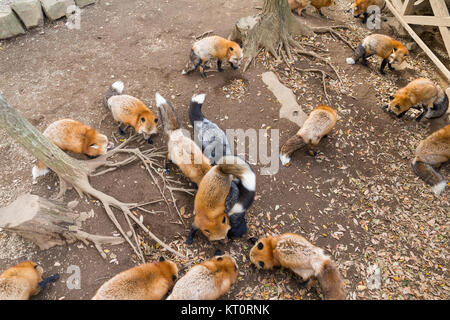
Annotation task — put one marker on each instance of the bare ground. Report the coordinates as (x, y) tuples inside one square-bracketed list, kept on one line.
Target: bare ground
[(358, 199)]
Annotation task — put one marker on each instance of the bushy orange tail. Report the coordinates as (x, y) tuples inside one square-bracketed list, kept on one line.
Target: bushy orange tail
[(331, 282)]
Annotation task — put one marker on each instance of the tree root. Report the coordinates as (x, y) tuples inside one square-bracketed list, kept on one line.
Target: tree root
[(324, 75), (147, 158)]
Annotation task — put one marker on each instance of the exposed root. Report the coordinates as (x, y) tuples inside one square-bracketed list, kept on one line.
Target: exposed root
[(324, 74), (334, 33)]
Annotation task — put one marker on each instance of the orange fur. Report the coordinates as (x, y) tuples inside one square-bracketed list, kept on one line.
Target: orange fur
[(430, 154), (299, 5), (133, 112), (206, 281), (20, 282), (418, 91), (149, 281), (71, 135), (320, 122), (209, 204), (294, 252), (360, 6)]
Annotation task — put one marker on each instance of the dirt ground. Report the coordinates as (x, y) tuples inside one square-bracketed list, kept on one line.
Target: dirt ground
[(358, 199)]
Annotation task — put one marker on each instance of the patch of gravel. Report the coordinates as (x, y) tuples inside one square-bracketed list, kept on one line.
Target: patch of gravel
[(12, 247)]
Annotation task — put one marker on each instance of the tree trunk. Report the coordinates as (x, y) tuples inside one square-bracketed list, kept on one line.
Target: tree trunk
[(271, 29), (47, 223), (71, 171), (24, 133)]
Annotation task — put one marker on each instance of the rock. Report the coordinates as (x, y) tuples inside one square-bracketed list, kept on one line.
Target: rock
[(83, 3), (411, 46), (396, 26), (55, 9), (29, 11), (9, 23)]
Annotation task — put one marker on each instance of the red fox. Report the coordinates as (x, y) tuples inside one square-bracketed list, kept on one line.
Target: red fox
[(22, 281), (210, 201), (214, 47), (148, 281), (318, 124), (294, 252), (215, 145), (206, 281), (360, 7), (182, 150), (130, 111), (73, 136), (432, 152), (419, 94), (392, 51), (299, 5)]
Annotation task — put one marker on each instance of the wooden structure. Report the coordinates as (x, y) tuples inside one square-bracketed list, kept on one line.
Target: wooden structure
[(403, 11)]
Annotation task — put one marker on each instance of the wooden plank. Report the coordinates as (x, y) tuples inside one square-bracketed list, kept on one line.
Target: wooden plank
[(428, 20), (419, 41), (440, 10), (398, 4), (407, 7)]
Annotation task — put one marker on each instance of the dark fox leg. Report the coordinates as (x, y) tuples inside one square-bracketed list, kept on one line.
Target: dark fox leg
[(366, 15), (219, 65), (166, 165), (121, 132), (390, 67), (48, 280), (383, 66), (190, 237), (401, 114)]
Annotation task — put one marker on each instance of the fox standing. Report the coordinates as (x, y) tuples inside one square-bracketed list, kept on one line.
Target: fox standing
[(210, 201), (299, 5), (419, 94), (130, 111), (318, 124), (214, 47), (182, 150), (392, 51), (294, 252)]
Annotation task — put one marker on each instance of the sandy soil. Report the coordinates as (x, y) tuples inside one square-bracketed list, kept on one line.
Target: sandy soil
[(358, 198)]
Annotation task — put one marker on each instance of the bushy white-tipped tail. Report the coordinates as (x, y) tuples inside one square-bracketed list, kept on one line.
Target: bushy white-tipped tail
[(284, 159), (437, 189), (118, 86), (183, 72), (160, 101), (350, 61), (200, 98), (239, 168), (39, 172)]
